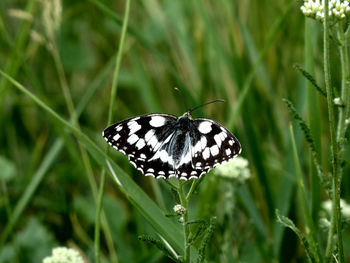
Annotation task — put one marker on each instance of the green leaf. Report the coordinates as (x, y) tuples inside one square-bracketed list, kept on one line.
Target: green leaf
[(285, 221), (160, 245), (311, 79)]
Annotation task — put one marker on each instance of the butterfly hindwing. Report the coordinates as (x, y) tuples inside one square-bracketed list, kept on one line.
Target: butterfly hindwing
[(212, 144)]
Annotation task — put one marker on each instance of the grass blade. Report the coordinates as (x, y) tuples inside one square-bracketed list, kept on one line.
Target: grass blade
[(166, 228)]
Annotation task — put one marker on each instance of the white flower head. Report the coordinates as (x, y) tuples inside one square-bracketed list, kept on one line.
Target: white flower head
[(337, 9), (344, 207), (324, 223), (179, 209), (64, 255), (337, 101), (236, 168)]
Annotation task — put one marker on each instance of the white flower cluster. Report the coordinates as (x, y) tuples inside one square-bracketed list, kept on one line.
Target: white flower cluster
[(236, 168), (179, 209), (63, 255), (345, 208), (338, 9)]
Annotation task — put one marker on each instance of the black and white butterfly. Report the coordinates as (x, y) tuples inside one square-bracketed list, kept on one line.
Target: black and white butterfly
[(164, 146)]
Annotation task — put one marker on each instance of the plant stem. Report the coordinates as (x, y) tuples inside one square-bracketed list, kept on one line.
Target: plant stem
[(183, 200), (192, 189), (336, 217), (345, 94), (313, 249), (110, 118)]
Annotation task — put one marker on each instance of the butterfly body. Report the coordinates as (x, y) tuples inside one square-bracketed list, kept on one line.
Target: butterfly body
[(164, 146)]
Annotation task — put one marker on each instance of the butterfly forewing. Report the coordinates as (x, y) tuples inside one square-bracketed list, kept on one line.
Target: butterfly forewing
[(141, 138), (163, 145)]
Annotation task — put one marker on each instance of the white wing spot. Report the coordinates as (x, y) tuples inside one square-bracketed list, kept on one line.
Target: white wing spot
[(203, 142), (231, 142), (116, 137), (197, 147), (119, 128), (143, 156), (157, 121), (214, 150), (218, 139), (134, 164), (134, 127), (153, 142), (228, 151), (205, 127), (140, 144), (206, 153), (149, 135), (163, 155), (132, 139)]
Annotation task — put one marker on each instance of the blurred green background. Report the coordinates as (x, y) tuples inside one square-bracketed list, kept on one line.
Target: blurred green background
[(239, 51)]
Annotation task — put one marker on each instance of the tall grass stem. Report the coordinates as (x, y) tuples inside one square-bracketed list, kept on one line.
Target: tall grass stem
[(309, 226), (186, 229), (336, 216), (110, 118)]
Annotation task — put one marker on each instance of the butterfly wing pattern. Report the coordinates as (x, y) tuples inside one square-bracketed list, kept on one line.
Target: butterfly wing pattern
[(164, 146)]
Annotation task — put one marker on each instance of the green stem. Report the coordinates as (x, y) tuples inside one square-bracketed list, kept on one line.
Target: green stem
[(16, 58), (345, 92), (334, 146), (309, 226), (110, 118), (183, 200), (193, 188)]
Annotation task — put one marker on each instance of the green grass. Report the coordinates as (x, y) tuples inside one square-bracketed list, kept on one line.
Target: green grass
[(56, 98)]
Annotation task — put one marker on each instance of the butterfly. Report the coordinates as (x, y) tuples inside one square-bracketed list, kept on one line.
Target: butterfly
[(165, 146)]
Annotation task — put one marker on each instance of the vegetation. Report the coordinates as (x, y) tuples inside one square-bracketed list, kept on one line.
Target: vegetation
[(68, 69)]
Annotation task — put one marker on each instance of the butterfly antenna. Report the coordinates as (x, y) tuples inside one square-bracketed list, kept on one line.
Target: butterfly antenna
[(183, 97), (210, 102)]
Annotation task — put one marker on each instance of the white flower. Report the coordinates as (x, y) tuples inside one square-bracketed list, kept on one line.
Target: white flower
[(179, 209), (345, 208), (324, 223), (64, 255), (338, 9), (236, 168), (337, 101)]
